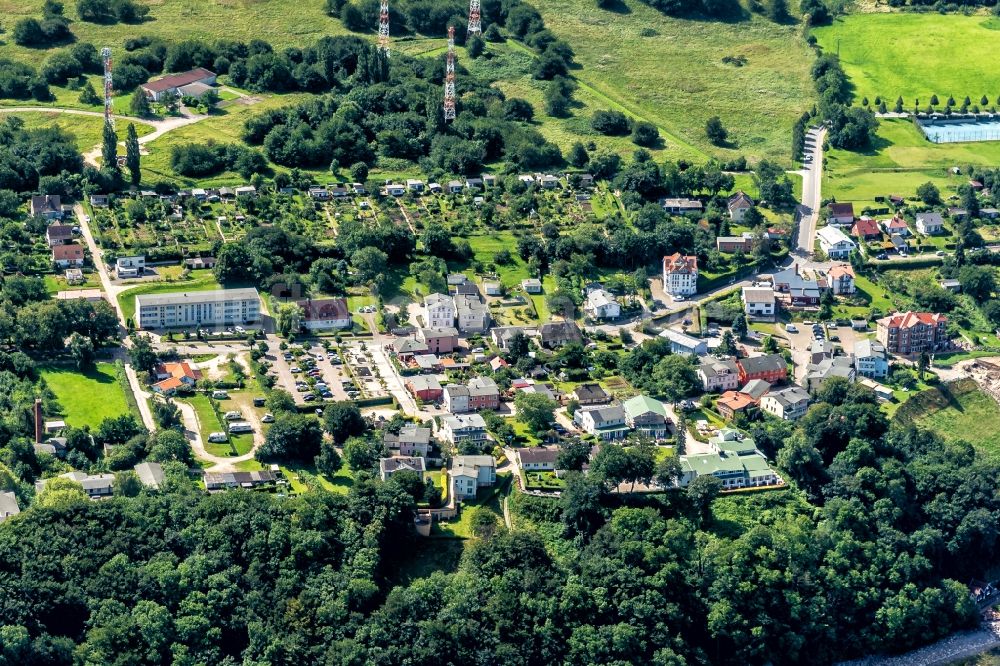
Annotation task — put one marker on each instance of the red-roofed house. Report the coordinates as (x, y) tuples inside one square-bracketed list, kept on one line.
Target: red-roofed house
[(840, 279), (841, 213), (732, 403), (896, 225), (161, 88), (172, 376), (680, 275), (866, 229), (64, 256), (909, 333), (325, 313)]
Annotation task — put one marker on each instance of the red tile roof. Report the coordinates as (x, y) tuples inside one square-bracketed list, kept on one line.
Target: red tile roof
[(865, 227), (841, 270), (911, 319), (679, 263), (178, 80), (67, 252), (735, 401)]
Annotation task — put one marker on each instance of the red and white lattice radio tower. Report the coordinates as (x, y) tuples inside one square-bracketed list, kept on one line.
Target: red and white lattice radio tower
[(383, 28), (108, 86), (449, 77), (475, 22)]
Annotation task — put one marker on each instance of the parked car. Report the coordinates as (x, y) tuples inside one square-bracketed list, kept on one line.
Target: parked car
[(309, 397), (296, 369), (791, 328), (258, 401), (220, 395), (268, 418)]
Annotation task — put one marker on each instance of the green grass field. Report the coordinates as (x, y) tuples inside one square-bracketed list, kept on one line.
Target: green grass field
[(677, 79), (225, 127), (916, 55), (281, 22), (971, 415), (89, 397), (901, 160), (87, 129), (201, 281)]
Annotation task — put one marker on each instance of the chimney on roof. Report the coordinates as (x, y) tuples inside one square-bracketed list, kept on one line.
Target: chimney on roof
[(38, 420)]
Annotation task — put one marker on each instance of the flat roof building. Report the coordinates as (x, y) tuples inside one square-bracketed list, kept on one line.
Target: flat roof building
[(219, 307)]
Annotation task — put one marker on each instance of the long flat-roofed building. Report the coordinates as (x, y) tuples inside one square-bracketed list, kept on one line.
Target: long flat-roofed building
[(220, 307)]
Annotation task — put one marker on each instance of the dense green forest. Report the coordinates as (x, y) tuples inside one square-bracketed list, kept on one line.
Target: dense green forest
[(866, 555)]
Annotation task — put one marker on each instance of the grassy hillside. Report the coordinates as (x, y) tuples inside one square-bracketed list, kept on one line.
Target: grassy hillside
[(677, 79), (916, 55), (900, 161), (957, 411), (280, 22)]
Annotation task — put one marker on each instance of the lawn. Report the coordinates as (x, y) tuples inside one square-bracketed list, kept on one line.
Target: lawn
[(901, 160), (86, 129), (87, 397), (963, 412), (224, 127), (200, 281), (676, 78), (916, 55), (485, 247), (209, 423), (281, 22), (487, 497)]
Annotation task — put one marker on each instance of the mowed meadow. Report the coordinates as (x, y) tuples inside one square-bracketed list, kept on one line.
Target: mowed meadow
[(917, 55), (676, 79), (280, 22)]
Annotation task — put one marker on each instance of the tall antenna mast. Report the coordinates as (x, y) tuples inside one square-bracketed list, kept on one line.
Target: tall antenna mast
[(383, 28), (108, 87), (475, 23), (449, 77)]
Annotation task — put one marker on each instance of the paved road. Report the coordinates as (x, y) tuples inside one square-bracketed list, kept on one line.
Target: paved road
[(812, 182)]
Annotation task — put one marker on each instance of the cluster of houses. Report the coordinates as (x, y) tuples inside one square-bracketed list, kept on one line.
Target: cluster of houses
[(545, 181), (891, 232), (62, 239), (794, 288)]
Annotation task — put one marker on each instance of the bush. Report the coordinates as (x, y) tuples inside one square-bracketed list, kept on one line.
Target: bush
[(611, 123), (645, 134)]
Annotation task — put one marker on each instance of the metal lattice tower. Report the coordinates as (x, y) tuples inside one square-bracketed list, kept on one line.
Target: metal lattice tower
[(449, 77), (108, 87), (475, 20), (383, 28)]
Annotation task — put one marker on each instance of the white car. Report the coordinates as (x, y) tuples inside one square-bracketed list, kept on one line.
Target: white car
[(220, 395), (791, 328), (268, 418), (679, 298)]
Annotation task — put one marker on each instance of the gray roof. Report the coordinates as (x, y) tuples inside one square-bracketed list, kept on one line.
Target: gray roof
[(213, 296), (150, 473), (401, 463), (930, 218), (457, 390), (482, 386), (409, 434), (608, 413), (790, 395), (8, 506), (868, 348), (560, 330), (756, 388), (462, 421), (763, 363), (540, 454)]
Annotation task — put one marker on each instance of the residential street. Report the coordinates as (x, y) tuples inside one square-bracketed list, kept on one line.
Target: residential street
[(812, 181), (112, 291)]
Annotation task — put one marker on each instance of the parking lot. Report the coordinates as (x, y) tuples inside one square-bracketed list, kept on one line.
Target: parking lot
[(801, 340), (313, 374)]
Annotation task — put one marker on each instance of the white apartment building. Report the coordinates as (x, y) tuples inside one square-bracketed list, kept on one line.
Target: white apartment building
[(439, 310), (220, 307), (680, 275)]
